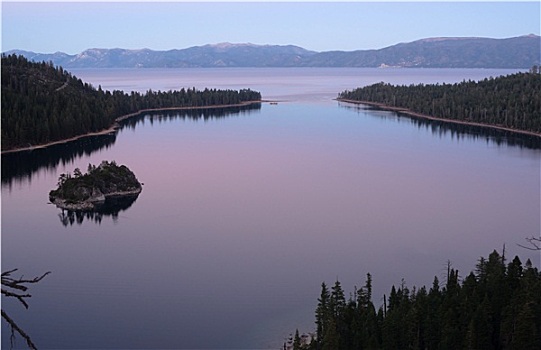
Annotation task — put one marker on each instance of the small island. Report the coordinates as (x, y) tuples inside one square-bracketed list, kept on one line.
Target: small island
[(88, 192)]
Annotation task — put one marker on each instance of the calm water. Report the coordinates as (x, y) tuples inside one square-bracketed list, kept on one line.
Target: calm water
[(244, 213)]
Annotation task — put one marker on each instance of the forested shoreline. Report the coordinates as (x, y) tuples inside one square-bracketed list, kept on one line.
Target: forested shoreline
[(497, 306), (43, 104), (511, 102)]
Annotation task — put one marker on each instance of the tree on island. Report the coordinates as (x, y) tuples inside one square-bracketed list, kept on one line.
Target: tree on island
[(86, 191)]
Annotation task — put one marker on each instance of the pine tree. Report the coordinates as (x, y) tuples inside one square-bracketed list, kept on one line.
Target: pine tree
[(527, 328), (297, 341), (323, 314), (331, 339)]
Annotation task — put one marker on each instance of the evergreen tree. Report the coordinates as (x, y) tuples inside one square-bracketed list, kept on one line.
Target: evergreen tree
[(41, 103), (512, 101), (323, 314), (331, 339), (297, 341), (497, 306)]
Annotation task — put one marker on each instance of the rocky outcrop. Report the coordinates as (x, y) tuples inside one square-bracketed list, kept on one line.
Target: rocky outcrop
[(90, 191), (93, 197)]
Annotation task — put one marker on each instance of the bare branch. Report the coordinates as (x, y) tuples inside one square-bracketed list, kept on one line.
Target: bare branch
[(20, 297), (15, 327), (535, 243), (17, 283), (11, 287), (7, 273)]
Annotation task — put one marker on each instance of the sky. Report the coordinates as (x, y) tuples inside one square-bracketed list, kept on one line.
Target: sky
[(72, 27)]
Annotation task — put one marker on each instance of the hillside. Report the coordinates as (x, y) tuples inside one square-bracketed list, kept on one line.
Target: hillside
[(42, 103), (219, 55), (518, 52)]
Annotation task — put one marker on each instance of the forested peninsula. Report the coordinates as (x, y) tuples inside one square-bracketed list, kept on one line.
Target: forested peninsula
[(43, 104), (497, 306), (511, 102)]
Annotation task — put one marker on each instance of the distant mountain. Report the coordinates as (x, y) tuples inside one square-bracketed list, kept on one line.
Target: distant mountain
[(219, 55), (518, 52)]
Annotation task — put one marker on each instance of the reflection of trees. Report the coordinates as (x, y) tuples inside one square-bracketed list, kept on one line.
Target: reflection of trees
[(19, 166), (462, 131), (111, 207), (205, 114), (495, 136)]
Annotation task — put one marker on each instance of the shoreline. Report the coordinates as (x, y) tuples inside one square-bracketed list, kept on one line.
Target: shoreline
[(114, 127), (410, 113), (91, 203)]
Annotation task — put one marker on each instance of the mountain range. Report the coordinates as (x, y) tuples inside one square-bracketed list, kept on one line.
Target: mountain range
[(460, 52)]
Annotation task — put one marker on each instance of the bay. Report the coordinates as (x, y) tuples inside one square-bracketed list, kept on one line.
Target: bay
[(244, 213)]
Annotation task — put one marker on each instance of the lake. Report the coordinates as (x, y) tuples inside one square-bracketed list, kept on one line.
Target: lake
[(245, 212)]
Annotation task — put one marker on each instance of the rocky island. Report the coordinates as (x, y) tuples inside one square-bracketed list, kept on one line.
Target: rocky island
[(88, 192)]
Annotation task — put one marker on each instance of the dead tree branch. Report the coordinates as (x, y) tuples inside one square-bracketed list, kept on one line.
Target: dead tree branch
[(535, 243), (15, 288), (15, 327)]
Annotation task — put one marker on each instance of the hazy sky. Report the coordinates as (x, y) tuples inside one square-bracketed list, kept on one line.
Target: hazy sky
[(72, 27)]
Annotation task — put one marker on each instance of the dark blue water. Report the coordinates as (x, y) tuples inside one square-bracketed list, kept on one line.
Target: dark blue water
[(244, 213)]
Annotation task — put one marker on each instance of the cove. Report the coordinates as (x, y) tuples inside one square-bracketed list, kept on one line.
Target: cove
[(244, 213)]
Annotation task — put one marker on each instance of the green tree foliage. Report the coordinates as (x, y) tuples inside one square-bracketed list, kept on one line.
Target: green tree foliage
[(108, 178), (512, 101), (496, 307), (323, 316), (42, 103), (297, 341)]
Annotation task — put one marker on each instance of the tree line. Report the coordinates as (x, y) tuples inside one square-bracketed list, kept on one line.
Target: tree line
[(42, 103), (497, 306), (512, 101)]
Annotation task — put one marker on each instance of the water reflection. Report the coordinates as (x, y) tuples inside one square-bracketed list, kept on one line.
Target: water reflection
[(111, 207), (20, 166), (442, 129), (302, 192), (206, 114)]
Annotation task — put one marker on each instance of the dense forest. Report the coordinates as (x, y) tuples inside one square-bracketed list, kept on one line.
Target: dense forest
[(43, 103), (512, 101), (496, 307)]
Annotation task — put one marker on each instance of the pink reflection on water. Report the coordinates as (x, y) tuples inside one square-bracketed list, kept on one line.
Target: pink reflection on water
[(246, 216)]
